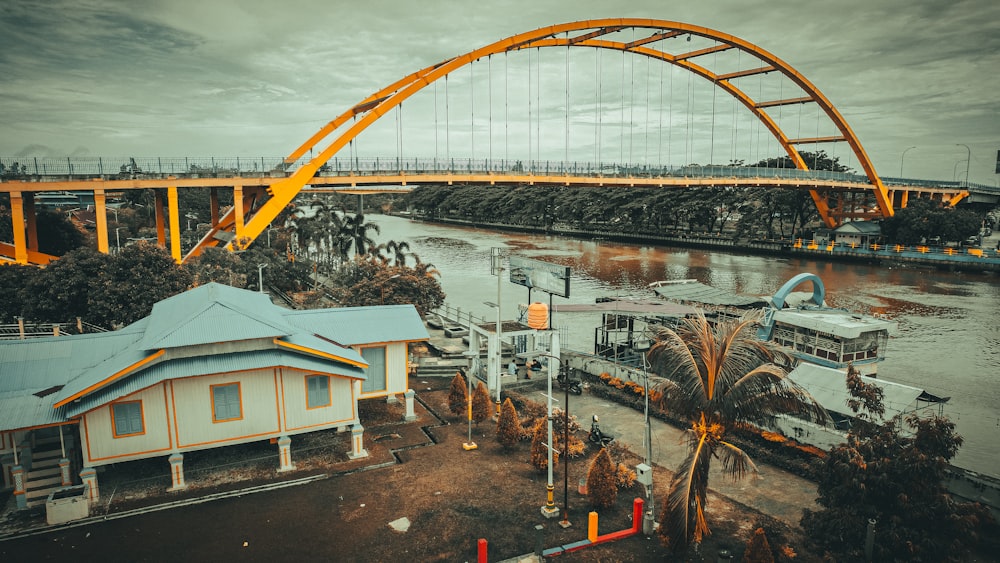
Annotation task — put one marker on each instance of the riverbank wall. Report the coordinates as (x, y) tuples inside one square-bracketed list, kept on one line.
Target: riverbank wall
[(976, 260)]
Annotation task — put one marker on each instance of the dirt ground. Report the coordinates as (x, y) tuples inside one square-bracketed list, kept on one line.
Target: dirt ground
[(417, 470)]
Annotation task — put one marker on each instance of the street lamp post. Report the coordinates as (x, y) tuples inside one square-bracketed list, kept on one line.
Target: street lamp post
[(954, 170), (260, 277), (549, 510), (648, 521), (968, 159), (118, 240), (901, 159)]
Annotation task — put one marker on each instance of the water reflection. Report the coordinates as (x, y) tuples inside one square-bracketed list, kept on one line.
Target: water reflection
[(949, 335)]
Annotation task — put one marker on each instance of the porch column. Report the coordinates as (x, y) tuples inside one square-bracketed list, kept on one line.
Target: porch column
[(358, 442), (17, 472), (177, 472), (285, 454), (408, 396), (64, 472), (89, 478)]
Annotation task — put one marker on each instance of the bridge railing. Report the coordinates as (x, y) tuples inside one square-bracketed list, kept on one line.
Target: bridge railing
[(138, 167)]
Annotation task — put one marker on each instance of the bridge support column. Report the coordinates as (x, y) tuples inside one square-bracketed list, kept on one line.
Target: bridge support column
[(175, 224), (161, 234), (214, 205), (17, 222), (238, 217), (101, 218), (29, 216)]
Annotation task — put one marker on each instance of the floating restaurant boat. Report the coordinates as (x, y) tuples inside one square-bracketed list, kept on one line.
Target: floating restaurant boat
[(802, 323)]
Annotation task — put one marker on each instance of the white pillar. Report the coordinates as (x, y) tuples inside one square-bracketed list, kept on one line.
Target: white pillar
[(285, 454), (89, 478), (19, 483), (410, 414), (358, 442), (177, 472), (64, 472)]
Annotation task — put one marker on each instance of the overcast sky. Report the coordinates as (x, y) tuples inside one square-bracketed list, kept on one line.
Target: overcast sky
[(228, 77)]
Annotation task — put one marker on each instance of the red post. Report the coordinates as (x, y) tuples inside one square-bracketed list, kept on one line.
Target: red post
[(481, 557), (637, 515)]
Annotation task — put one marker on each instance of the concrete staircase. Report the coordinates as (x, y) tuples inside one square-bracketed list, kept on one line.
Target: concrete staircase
[(44, 476)]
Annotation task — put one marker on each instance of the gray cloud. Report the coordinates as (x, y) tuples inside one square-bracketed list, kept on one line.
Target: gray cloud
[(228, 77)]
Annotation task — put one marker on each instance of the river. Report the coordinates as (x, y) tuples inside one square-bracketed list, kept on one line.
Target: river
[(948, 340)]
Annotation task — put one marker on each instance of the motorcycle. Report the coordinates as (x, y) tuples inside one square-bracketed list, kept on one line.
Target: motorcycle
[(574, 385), (596, 436)]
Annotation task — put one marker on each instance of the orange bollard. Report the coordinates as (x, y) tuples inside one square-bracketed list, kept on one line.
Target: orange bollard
[(481, 556), (592, 527)]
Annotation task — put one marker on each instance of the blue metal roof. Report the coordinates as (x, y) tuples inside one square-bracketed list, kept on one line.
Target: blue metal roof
[(213, 314), (361, 325)]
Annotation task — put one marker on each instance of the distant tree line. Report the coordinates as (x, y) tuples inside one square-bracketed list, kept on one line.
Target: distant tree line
[(754, 212)]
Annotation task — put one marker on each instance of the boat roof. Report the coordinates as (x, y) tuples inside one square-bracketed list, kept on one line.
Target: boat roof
[(645, 306), (838, 322), (828, 386), (693, 291)]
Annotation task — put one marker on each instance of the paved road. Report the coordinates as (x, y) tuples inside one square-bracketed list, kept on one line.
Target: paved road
[(776, 492)]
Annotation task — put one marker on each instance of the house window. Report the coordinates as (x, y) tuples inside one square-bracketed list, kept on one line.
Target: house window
[(375, 373), (127, 418), (317, 391), (226, 403)]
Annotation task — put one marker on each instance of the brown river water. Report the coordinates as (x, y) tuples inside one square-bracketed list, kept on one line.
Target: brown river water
[(948, 341)]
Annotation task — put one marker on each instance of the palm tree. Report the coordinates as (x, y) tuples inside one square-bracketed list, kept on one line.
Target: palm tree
[(398, 251), (718, 377), (357, 233)]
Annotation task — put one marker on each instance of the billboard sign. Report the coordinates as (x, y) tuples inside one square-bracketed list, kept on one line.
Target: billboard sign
[(534, 274)]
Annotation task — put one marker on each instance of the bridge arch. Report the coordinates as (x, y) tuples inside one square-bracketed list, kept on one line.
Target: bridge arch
[(587, 33)]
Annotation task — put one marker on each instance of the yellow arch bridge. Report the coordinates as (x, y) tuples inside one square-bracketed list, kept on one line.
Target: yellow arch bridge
[(330, 160)]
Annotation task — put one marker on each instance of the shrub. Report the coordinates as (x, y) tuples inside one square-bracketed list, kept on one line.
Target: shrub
[(758, 549), (602, 489), (457, 396), (508, 425), (482, 407), (624, 476), (539, 451)]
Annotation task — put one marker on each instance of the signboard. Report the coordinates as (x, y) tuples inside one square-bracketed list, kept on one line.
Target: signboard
[(550, 278)]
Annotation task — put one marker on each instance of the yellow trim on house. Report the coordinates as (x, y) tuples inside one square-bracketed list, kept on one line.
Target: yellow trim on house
[(117, 375), (314, 352)]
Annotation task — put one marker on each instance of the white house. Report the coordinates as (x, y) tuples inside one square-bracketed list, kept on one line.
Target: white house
[(211, 367)]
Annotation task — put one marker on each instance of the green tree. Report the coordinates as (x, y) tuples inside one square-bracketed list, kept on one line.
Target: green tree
[(136, 279), (458, 396), (602, 488), (14, 278), (892, 473), (717, 376), (508, 425), (369, 281), (358, 232), (66, 289)]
